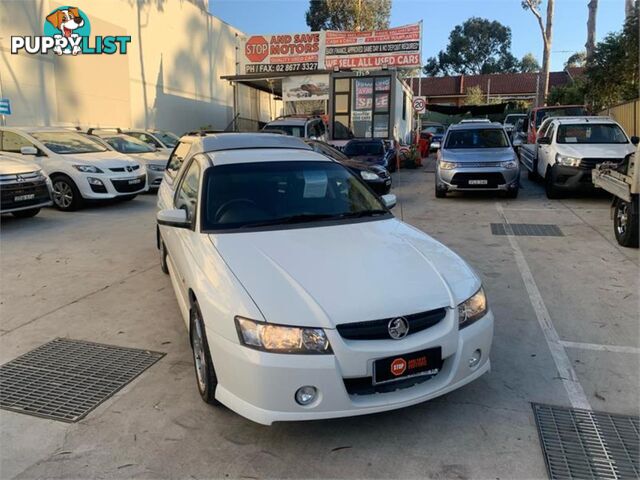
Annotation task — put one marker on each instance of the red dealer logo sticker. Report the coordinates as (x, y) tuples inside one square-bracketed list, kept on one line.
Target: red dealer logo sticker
[(256, 49), (398, 366)]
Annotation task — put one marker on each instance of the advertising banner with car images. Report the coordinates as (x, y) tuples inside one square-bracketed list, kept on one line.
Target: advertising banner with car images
[(398, 47), (282, 53), (305, 87)]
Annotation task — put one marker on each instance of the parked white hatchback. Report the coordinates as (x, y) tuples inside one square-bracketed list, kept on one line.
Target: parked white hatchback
[(280, 260), (79, 168)]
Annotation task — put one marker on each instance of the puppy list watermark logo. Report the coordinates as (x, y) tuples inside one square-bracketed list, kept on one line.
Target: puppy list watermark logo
[(67, 31)]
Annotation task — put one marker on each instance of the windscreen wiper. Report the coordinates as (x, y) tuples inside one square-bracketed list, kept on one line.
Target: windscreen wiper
[(302, 218)]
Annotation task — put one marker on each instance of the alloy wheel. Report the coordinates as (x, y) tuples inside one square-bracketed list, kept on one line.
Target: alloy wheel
[(62, 194), (199, 355), (622, 213)]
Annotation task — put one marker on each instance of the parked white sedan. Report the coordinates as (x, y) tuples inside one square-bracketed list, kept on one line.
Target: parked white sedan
[(304, 297)]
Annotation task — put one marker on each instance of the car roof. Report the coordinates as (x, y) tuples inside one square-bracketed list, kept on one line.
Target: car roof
[(215, 142), (475, 120), (288, 121), (229, 157), (584, 120), (28, 130), (476, 126)]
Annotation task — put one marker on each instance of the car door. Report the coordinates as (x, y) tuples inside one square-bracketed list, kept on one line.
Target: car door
[(545, 151), (180, 242)]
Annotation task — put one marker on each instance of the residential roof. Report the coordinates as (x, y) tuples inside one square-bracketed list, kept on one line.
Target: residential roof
[(496, 83)]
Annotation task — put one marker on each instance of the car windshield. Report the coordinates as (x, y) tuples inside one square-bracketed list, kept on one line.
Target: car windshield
[(292, 130), (268, 194), (477, 138), (355, 149), (512, 119), (66, 143), (591, 133), (170, 139), (559, 112), (434, 130), (127, 144)]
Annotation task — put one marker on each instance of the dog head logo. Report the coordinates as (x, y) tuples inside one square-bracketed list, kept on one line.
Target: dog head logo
[(69, 23)]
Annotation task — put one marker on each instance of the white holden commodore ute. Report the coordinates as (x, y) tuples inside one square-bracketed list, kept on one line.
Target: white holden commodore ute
[(281, 261)]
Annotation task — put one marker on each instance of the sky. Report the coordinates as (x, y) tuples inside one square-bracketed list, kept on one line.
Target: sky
[(439, 17)]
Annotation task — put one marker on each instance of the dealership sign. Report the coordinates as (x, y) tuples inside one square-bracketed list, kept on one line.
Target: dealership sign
[(298, 52)]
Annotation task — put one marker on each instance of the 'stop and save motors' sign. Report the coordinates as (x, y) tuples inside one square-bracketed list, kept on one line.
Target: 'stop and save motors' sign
[(397, 47)]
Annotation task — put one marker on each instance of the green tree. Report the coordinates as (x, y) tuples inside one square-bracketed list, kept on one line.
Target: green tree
[(475, 96), (356, 15), (529, 64), (570, 94), (578, 59), (612, 69), (477, 46)]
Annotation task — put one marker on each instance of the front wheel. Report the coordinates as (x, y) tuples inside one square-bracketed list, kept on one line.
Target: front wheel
[(550, 189), (207, 380), (66, 196), (32, 212), (625, 223)]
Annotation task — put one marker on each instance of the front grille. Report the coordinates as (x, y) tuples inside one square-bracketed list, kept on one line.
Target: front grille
[(590, 163), (10, 191), (123, 186), (379, 329), (480, 164), (20, 178), (493, 179), (123, 169)]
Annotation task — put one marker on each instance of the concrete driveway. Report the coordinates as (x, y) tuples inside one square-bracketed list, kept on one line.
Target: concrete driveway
[(566, 333)]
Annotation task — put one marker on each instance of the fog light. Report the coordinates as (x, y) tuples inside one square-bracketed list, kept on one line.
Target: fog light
[(95, 181), (306, 395), (475, 359)]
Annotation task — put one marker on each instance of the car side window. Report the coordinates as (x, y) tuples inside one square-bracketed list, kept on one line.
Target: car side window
[(187, 193), (12, 142), (177, 157), (550, 131), (148, 139)]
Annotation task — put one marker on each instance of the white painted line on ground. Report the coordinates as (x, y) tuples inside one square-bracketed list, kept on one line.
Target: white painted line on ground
[(567, 374), (601, 348)]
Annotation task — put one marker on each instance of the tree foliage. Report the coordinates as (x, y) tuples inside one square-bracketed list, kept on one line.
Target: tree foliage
[(529, 63), (612, 70), (356, 15), (578, 59), (475, 96), (570, 94), (478, 46)]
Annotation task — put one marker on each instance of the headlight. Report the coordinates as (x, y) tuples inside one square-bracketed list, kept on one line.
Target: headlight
[(280, 339), (39, 176), (511, 164), (447, 165), (567, 161), (87, 169), (473, 309), (368, 175), (156, 168)]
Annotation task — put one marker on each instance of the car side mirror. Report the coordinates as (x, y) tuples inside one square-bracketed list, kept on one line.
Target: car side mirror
[(389, 200), (635, 140), (28, 150), (544, 141), (173, 217)]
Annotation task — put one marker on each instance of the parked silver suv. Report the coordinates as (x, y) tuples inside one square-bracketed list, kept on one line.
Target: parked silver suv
[(477, 156)]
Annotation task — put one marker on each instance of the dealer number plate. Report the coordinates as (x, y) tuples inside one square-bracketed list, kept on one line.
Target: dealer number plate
[(478, 182), (22, 198), (134, 181), (423, 362)]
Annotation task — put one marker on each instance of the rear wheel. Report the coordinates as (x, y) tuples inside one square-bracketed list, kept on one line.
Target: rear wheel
[(66, 196), (206, 378), (625, 223), (32, 212)]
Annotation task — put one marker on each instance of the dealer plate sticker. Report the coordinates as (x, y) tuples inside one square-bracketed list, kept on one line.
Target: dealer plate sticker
[(424, 362), (135, 180), (22, 198), (478, 182)]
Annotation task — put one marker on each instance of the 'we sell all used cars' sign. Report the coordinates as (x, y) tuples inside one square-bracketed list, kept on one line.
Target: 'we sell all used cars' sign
[(398, 47)]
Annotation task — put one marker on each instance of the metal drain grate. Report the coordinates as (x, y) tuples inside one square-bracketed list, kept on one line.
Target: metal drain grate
[(526, 229), (588, 445), (66, 379)]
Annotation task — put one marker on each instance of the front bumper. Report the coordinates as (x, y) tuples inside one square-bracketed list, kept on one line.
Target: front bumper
[(572, 178), (113, 185), (472, 179), (154, 178), (15, 197), (261, 386)]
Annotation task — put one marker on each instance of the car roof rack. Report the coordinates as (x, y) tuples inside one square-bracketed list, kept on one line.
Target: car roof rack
[(91, 130)]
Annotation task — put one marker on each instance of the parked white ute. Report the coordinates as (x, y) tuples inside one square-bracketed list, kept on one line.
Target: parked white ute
[(570, 148), (79, 168), (280, 259)]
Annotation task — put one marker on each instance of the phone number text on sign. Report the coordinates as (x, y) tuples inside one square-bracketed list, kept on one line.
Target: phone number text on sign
[(280, 67)]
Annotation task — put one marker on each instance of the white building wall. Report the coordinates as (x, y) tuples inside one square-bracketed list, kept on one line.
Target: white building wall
[(170, 77)]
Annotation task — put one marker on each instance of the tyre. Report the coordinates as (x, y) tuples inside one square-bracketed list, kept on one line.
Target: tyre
[(206, 378), (441, 193), (126, 198), (512, 193), (65, 194), (32, 212), (549, 188), (625, 223), (163, 258)]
